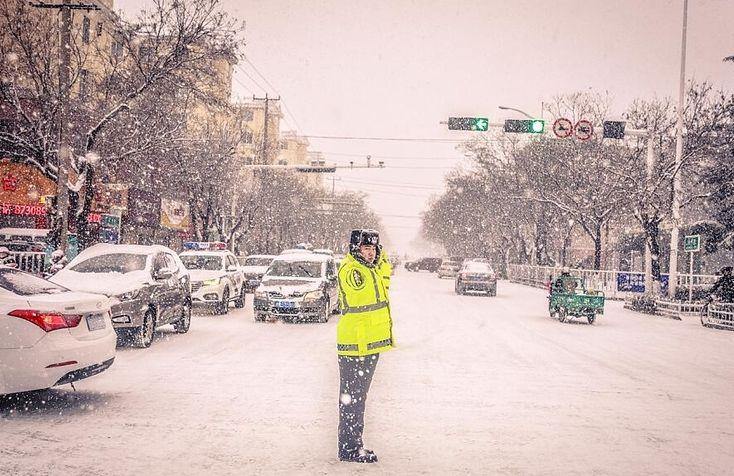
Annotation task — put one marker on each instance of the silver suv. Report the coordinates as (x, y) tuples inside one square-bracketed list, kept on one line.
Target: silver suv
[(149, 284)]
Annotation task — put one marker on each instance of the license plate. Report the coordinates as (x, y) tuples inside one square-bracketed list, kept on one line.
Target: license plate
[(285, 304), (95, 322)]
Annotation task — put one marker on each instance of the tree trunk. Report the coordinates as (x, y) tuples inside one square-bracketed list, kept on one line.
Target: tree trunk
[(652, 230), (83, 229), (597, 246)]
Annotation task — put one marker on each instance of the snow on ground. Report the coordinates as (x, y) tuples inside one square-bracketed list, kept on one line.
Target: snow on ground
[(477, 385)]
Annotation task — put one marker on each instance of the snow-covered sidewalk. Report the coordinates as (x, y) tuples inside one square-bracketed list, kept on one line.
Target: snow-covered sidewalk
[(477, 385)]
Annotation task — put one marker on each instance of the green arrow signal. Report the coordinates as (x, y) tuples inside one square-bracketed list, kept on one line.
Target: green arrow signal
[(480, 124)]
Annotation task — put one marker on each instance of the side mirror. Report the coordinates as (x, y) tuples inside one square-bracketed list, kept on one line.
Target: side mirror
[(163, 273), (232, 268)]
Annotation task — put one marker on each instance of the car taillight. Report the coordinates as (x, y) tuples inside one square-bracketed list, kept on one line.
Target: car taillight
[(48, 321)]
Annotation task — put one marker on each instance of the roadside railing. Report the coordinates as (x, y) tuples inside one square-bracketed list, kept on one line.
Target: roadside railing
[(615, 284), (721, 314), (678, 309)]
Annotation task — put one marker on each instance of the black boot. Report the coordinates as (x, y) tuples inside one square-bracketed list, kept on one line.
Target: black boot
[(360, 456)]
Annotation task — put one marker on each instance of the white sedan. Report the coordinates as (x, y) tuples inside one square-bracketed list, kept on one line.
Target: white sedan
[(50, 335)]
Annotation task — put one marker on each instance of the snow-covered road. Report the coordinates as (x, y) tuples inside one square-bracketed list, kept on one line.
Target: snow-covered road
[(477, 385)]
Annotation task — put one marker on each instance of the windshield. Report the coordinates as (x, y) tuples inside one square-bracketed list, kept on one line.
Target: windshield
[(295, 269), (257, 261), (112, 263), (26, 284), (208, 263)]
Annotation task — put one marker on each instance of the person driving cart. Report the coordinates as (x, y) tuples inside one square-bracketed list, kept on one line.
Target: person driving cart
[(564, 283)]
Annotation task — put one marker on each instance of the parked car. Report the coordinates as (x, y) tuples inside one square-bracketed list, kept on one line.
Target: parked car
[(254, 267), (50, 335), (24, 239), (448, 268), (428, 264), (298, 287), (149, 284), (216, 279), (324, 251), (476, 276)]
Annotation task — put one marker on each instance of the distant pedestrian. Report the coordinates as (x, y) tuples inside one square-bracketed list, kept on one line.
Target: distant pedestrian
[(363, 332)]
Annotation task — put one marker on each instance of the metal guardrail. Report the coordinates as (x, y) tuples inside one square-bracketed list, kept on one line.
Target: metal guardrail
[(720, 315), (30, 261), (599, 280), (678, 309)]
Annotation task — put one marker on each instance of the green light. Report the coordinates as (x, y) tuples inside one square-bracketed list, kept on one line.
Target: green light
[(537, 126), (480, 124)]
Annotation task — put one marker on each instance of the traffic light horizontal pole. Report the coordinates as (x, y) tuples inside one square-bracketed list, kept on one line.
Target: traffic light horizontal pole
[(309, 167)]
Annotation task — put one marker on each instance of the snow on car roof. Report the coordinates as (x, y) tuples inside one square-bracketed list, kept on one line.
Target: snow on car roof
[(24, 231), (306, 256), (260, 256), (111, 248), (204, 253)]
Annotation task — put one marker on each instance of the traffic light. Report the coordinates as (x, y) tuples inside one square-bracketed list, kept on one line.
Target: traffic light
[(468, 124), (525, 126), (614, 129)]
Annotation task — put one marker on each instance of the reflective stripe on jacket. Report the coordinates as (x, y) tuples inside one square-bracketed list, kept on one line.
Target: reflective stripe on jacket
[(365, 326)]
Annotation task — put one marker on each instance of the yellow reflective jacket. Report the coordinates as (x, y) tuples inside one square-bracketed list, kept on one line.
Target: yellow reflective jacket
[(365, 326), (384, 269)]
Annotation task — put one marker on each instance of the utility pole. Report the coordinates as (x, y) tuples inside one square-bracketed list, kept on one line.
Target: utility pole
[(650, 167), (677, 184), (265, 146), (64, 145)]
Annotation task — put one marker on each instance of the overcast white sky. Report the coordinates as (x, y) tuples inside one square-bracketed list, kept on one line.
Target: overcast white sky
[(397, 68)]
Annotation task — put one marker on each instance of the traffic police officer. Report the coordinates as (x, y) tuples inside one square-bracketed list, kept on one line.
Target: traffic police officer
[(363, 332)]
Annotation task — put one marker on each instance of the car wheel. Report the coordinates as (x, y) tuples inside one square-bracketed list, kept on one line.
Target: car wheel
[(459, 289), (184, 323), (260, 317), (561, 315), (591, 318), (240, 303), (223, 306), (143, 335), (493, 291), (325, 312)]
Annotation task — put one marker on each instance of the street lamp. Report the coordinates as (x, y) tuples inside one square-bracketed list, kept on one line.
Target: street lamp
[(505, 108)]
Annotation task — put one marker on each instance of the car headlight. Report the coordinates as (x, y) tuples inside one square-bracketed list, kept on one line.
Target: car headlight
[(261, 295), (313, 296), (129, 296), (212, 282)]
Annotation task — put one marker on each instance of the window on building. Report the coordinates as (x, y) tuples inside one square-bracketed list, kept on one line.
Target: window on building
[(116, 49), (247, 114), (99, 29), (247, 137), (282, 162), (83, 83), (146, 54), (283, 144), (86, 24)]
